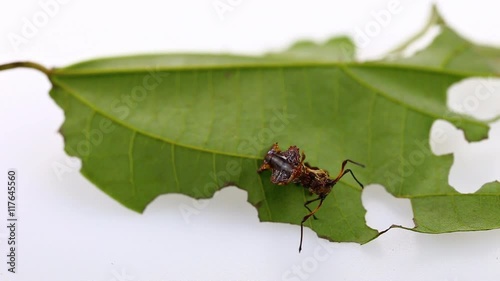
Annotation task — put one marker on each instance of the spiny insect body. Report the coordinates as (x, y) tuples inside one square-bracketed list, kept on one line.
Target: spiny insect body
[(289, 167)]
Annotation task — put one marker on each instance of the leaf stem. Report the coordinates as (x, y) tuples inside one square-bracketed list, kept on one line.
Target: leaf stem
[(27, 64), (435, 19)]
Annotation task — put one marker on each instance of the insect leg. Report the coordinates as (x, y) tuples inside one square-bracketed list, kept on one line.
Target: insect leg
[(309, 202), (353, 162), (306, 218), (352, 174), (342, 172)]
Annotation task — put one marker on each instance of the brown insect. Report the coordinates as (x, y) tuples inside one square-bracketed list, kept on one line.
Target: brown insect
[(288, 167)]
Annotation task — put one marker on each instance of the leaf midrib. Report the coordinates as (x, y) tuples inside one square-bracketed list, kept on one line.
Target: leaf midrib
[(292, 64)]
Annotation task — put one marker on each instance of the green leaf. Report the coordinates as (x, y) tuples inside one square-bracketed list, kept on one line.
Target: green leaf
[(192, 124), (338, 49), (451, 52)]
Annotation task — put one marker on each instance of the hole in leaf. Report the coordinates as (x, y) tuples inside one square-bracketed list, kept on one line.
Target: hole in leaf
[(445, 138), (476, 163), (384, 210), (477, 97)]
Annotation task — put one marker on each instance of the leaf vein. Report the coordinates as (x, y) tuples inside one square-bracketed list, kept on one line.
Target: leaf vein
[(401, 103), (212, 108), (401, 152), (131, 161), (176, 178), (261, 184), (344, 218)]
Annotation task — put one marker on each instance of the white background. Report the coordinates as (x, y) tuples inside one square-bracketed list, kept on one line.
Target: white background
[(69, 230)]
